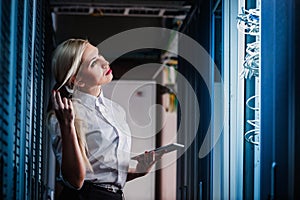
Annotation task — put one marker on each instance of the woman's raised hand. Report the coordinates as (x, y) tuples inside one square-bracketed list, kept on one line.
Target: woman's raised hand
[(63, 108)]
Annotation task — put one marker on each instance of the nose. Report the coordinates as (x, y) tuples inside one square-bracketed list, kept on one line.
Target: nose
[(105, 65)]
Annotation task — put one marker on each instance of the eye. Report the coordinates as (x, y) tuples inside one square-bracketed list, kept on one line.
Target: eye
[(93, 63)]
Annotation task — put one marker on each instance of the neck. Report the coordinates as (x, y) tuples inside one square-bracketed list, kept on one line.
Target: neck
[(95, 91)]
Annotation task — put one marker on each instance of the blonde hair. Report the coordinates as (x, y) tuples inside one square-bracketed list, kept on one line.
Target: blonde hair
[(66, 63), (66, 60)]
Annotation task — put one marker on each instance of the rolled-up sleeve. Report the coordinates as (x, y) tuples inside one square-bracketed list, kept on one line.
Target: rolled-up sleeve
[(55, 133)]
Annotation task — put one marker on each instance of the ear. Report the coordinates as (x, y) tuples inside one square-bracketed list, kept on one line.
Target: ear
[(78, 82), (72, 79)]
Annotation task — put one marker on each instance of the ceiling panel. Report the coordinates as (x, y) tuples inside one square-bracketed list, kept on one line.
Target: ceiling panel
[(99, 20), (147, 3)]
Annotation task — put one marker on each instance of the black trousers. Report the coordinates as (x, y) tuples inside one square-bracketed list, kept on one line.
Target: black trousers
[(89, 192)]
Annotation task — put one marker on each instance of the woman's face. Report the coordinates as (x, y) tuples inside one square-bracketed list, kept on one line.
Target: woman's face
[(95, 70)]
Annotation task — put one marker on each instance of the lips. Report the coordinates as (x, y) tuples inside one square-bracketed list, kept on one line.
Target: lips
[(108, 72)]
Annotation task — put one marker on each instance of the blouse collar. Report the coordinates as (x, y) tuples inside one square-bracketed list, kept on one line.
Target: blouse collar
[(87, 99)]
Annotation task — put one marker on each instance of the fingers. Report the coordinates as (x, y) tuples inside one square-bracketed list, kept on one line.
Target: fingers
[(149, 157), (146, 158), (63, 109), (66, 103), (59, 103), (70, 104), (158, 156), (53, 99), (58, 100)]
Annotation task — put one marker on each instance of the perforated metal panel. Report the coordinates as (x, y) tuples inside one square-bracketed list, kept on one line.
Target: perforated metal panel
[(22, 58), (5, 145), (17, 148), (193, 177)]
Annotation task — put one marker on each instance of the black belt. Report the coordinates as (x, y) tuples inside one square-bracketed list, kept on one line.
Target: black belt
[(107, 187)]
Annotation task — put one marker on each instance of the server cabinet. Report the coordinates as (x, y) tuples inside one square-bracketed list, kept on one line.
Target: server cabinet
[(280, 93), (22, 74), (193, 173)]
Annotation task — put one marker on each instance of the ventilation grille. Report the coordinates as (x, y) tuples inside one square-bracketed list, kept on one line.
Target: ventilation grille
[(22, 35)]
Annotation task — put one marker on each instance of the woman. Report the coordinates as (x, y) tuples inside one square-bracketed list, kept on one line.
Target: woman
[(91, 138)]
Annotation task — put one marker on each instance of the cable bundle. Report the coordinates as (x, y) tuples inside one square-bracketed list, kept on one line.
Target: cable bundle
[(251, 63), (249, 24), (248, 21), (250, 135)]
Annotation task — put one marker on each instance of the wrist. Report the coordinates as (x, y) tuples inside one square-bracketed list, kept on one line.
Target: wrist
[(141, 170), (67, 125), (68, 129)]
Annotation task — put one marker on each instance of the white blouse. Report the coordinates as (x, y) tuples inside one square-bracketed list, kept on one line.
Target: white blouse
[(108, 137)]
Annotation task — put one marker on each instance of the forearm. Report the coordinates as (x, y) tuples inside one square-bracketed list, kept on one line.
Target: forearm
[(133, 174), (144, 165), (73, 167)]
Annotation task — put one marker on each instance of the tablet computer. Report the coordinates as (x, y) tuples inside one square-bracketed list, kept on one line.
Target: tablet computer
[(167, 148)]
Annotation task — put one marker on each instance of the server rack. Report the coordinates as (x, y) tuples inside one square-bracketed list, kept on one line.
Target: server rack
[(193, 174), (279, 100), (23, 143)]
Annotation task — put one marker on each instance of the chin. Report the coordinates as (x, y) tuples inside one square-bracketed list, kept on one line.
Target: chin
[(107, 80), (110, 78)]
